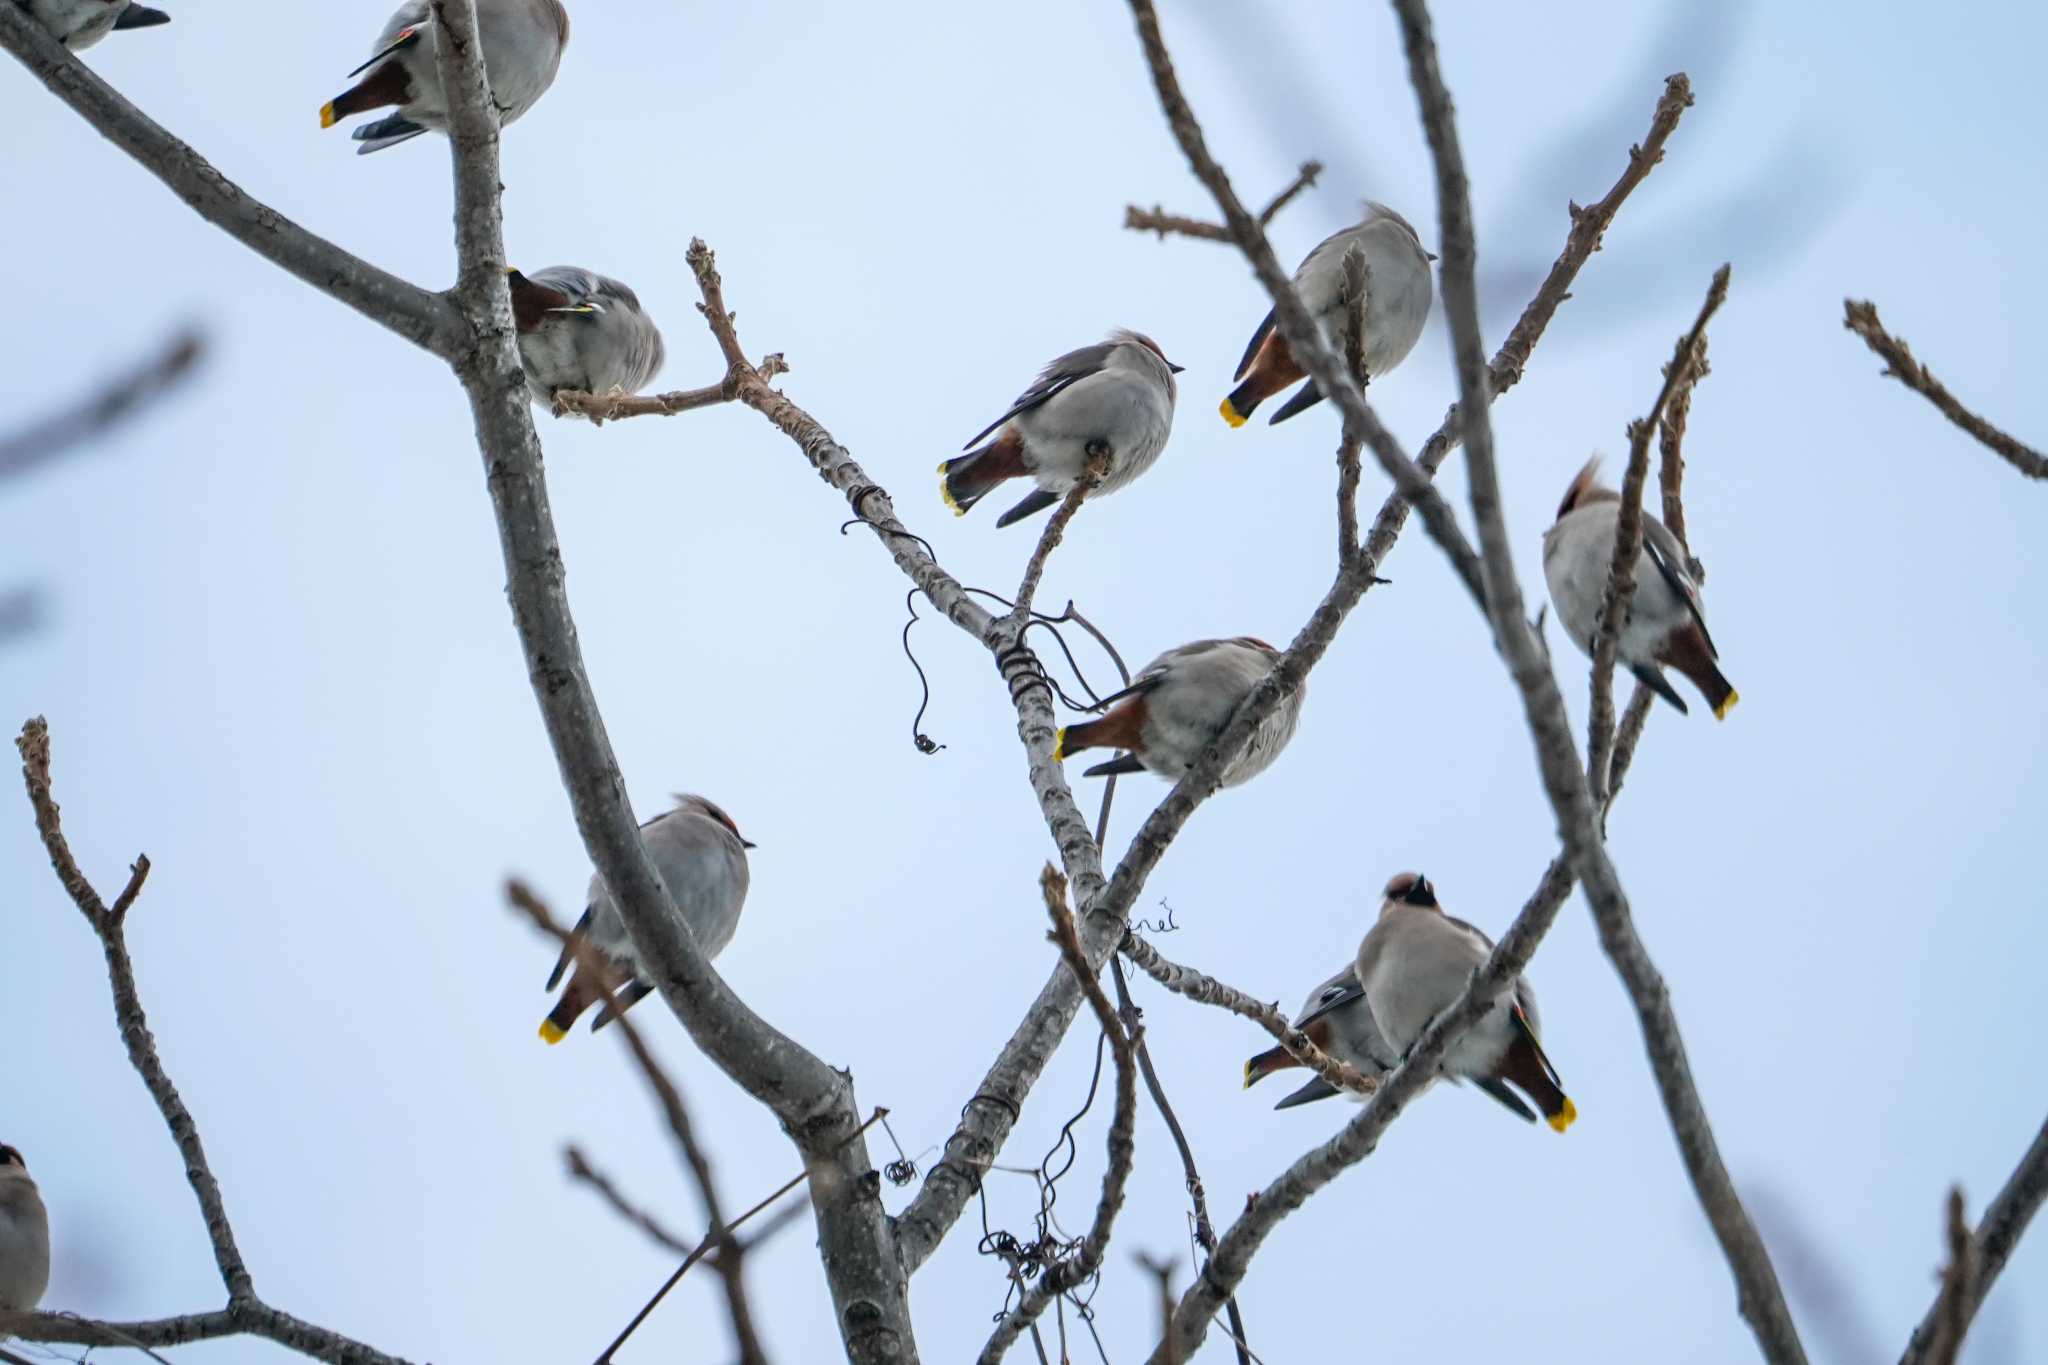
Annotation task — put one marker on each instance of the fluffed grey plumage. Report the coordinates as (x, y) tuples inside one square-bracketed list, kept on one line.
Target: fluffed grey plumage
[(1399, 292), (582, 330), (703, 862), (1665, 622), (1177, 706), (1415, 962), (1337, 1020), (24, 1236), (1118, 394), (78, 24), (522, 41)]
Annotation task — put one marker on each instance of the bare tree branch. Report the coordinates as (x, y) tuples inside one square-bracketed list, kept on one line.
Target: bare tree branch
[(1861, 318), (1092, 474), (2004, 1222), (579, 1168), (1156, 219), (111, 404), (610, 407), (1670, 447), (1628, 538), (426, 319), (245, 1313)]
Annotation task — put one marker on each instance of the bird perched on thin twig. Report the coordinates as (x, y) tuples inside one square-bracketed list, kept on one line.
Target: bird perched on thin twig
[(582, 330), (1336, 1019), (1664, 623), (78, 24), (24, 1236), (1415, 963), (1397, 298), (522, 42), (1116, 396), (703, 862), (1177, 706)]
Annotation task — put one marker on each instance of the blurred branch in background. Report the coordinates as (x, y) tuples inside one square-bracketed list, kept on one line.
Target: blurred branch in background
[(1861, 318), (1963, 1291), (22, 612), (112, 403)]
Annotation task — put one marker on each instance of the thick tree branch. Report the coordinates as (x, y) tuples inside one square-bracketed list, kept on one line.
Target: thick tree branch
[(1761, 1298), (1861, 318), (814, 1102), (2004, 1222), (426, 319)]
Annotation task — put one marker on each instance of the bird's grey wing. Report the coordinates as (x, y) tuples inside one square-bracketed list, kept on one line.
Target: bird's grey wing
[(1669, 557), (1331, 1000), (1258, 340), (576, 936), (1054, 377), (402, 31), (1471, 929), (584, 289)]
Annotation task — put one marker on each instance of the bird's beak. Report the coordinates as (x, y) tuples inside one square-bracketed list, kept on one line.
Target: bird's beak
[(1430, 254), (1422, 893), (748, 843), (1175, 369)]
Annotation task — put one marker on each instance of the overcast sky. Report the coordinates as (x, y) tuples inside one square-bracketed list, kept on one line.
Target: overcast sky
[(279, 660)]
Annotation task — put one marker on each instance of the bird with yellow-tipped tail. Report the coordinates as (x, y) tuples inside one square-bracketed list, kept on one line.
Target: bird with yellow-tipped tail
[(78, 24), (1397, 298), (1177, 706), (1336, 1019), (1415, 962), (522, 42), (1665, 623), (1115, 397), (703, 862)]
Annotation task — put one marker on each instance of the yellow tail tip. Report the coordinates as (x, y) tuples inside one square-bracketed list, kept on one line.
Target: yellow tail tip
[(1562, 1119), (1727, 704), (1249, 1075), (551, 1032), (328, 118), (1059, 744), (1231, 414), (947, 493)]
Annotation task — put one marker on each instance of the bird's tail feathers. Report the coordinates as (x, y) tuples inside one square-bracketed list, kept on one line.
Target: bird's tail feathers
[(966, 479), (1691, 653)]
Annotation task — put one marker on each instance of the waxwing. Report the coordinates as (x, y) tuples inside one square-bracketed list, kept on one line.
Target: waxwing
[(581, 330), (78, 24), (1117, 395), (1397, 297), (1178, 705), (1337, 1020), (1414, 964), (24, 1236), (703, 862), (1664, 623), (523, 42)]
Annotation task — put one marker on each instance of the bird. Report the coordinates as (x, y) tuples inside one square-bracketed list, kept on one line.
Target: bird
[(582, 330), (24, 1236), (1397, 293), (1114, 397), (1415, 962), (703, 862), (78, 24), (1336, 1019), (1664, 624), (1177, 706), (522, 40)]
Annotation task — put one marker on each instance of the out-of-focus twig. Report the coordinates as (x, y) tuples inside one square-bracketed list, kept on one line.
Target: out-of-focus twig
[(579, 1168), (1998, 1232), (113, 403), (1860, 317)]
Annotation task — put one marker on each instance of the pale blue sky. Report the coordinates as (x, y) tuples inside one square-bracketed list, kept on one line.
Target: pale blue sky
[(279, 661)]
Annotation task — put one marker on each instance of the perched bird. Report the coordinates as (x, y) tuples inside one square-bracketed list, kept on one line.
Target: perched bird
[(582, 330), (1178, 705), (78, 24), (703, 862), (1115, 396), (1397, 298), (1337, 1020), (523, 42), (1664, 623), (1416, 961), (24, 1236)]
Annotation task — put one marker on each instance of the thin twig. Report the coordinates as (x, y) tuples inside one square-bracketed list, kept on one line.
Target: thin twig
[(1357, 296), (1861, 318), (1998, 1233), (1092, 474), (1628, 543), (1951, 1312), (610, 407), (108, 407), (1671, 452), (1156, 219), (579, 1168)]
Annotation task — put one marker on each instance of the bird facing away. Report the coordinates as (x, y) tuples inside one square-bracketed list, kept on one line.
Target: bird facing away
[(703, 862), (1177, 706), (1397, 298), (78, 24), (1337, 1020), (24, 1236), (582, 330), (1416, 961), (1664, 624), (522, 40), (1115, 396)]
